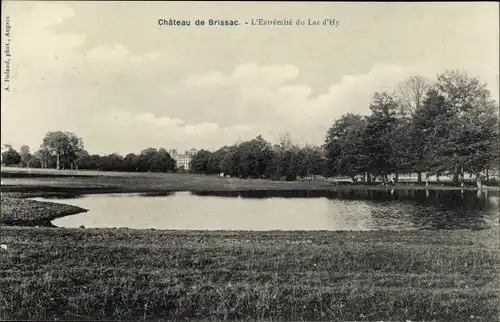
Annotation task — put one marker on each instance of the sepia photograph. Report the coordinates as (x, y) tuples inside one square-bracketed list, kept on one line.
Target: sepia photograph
[(250, 161)]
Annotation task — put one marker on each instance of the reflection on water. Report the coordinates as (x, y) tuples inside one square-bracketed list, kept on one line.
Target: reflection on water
[(289, 210), (65, 195), (156, 194)]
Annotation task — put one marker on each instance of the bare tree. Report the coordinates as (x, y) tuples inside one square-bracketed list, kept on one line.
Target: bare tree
[(410, 94), (286, 141)]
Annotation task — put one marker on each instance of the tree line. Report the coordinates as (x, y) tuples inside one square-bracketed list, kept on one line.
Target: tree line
[(258, 158), (64, 150), (447, 126)]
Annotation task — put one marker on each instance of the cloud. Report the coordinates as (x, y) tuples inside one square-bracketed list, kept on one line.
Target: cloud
[(214, 109), (206, 80), (245, 75), (269, 97), (133, 132), (44, 15), (33, 39)]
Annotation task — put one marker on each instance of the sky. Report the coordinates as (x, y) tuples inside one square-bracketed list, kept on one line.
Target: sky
[(110, 73)]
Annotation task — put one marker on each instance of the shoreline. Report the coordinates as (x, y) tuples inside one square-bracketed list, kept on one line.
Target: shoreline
[(424, 236), (21, 191), (24, 180)]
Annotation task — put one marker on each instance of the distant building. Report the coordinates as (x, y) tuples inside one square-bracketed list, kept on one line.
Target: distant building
[(182, 159)]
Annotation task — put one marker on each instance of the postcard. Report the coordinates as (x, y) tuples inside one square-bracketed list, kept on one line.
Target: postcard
[(191, 160)]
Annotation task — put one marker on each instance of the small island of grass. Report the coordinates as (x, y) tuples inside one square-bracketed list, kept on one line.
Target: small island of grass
[(24, 212)]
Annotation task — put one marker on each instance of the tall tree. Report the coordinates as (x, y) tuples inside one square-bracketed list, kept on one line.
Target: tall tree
[(82, 159), (311, 161), (145, 161), (400, 142), (229, 164), (111, 162), (345, 149), (63, 145), (95, 162), (254, 157), (201, 162), (24, 151), (285, 161), (154, 160), (408, 143), (215, 161), (410, 94), (163, 162), (472, 123), (33, 162), (10, 156), (130, 162), (430, 123), (44, 155), (377, 135)]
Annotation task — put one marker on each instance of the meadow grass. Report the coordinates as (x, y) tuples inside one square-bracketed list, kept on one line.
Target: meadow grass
[(49, 273)]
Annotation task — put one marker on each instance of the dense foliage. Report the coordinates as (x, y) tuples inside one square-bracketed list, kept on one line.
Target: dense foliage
[(450, 129), (10, 156), (258, 158)]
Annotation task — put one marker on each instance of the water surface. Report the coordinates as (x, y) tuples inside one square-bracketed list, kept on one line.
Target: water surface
[(286, 210)]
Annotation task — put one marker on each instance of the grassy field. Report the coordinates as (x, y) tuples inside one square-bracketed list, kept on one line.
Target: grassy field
[(49, 273)]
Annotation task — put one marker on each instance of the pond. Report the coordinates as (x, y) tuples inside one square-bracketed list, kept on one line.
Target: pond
[(286, 210)]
